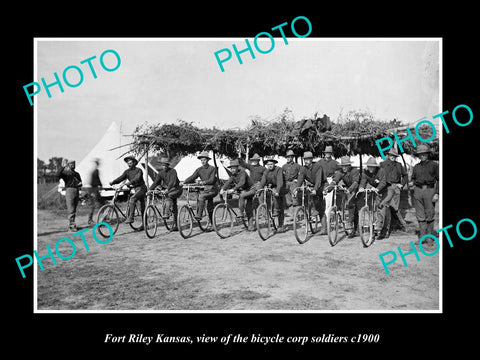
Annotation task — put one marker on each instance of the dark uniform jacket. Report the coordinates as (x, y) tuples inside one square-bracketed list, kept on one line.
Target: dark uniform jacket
[(291, 171), (208, 174), (426, 173), (395, 172), (351, 179), (168, 178), (377, 180), (239, 181), (70, 177), (313, 174), (329, 166), (256, 171), (275, 178), (135, 176)]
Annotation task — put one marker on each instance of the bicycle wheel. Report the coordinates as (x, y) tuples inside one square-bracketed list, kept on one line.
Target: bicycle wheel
[(300, 224), (168, 222), (332, 226), (107, 214), (264, 222), (365, 226), (185, 221), (205, 221), (137, 217), (150, 221), (222, 220)]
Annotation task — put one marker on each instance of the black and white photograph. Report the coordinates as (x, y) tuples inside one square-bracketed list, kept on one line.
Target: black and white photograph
[(257, 188)]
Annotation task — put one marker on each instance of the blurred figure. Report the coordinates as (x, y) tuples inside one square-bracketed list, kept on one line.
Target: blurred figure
[(291, 170), (94, 198)]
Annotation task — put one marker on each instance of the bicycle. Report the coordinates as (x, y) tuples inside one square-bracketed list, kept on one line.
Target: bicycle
[(153, 212), (224, 216), (108, 213), (266, 226), (186, 214), (304, 224), (368, 216), (335, 216)]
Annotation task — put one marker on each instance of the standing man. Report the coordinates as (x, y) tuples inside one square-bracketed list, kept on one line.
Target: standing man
[(425, 179), (329, 166), (134, 179), (396, 179), (351, 179), (314, 175), (94, 191), (290, 171), (167, 179), (73, 184), (208, 178), (273, 177), (375, 177), (240, 182)]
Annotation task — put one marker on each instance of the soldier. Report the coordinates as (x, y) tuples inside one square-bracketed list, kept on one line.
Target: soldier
[(329, 166), (351, 179), (94, 191), (396, 176), (208, 177), (314, 175), (73, 184), (291, 170), (240, 182), (134, 178), (273, 176), (256, 173), (167, 178), (375, 177), (425, 179)]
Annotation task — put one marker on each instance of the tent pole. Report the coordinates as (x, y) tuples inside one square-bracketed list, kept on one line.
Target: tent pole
[(215, 162)]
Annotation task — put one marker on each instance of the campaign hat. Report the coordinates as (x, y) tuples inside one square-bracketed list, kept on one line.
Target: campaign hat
[(255, 157), (290, 153), (372, 162), (328, 149), (393, 152), (345, 160), (270, 159), (307, 155), (422, 149), (126, 159), (204, 154)]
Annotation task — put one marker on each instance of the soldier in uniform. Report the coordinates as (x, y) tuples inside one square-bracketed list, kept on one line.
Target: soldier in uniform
[(314, 175), (351, 178), (329, 166), (256, 173), (167, 179), (73, 184), (134, 177), (375, 177), (208, 177), (425, 179), (397, 178), (273, 176), (240, 182), (291, 170)]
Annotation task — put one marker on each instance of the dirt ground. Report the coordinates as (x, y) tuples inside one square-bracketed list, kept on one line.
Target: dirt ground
[(242, 272)]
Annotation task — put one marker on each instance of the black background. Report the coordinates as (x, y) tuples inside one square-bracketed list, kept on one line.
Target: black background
[(82, 334)]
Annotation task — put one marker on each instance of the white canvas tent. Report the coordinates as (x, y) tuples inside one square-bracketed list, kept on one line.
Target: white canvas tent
[(111, 164)]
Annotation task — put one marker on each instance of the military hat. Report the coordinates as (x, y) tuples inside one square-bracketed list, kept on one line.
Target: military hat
[(307, 155), (270, 159), (164, 160), (255, 157), (126, 159), (372, 162), (290, 153), (234, 163), (422, 149), (328, 149), (204, 154), (71, 162), (393, 152), (345, 160)]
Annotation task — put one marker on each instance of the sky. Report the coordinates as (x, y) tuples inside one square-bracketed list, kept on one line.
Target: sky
[(162, 80)]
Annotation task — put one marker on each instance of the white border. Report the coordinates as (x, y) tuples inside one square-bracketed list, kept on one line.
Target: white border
[(340, 39)]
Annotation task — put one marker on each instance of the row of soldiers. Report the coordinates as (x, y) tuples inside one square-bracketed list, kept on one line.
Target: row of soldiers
[(387, 178)]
